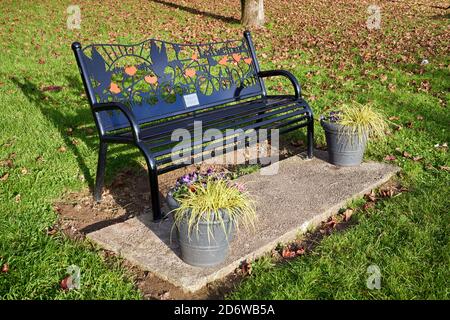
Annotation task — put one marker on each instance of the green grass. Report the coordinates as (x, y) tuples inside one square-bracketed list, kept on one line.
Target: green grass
[(406, 236)]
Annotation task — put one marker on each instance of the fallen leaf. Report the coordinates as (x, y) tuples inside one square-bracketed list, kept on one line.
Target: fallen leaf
[(406, 155), (62, 149), (24, 170), (5, 268), (17, 198), (39, 159), (348, 214), (419, 117), (7, 163), (394, 118), (371, 196), (246, 267), (368, 205), (4, 176), (392, 87), (390, 158), (66, 283), (287, 253), (52, 88), (330, 224), (446, 168), (41, 61), (418, 158), (51, 231), (164, 296)]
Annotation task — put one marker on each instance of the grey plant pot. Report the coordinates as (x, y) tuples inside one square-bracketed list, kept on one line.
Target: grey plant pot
[(344, 148), (197, 248), (171, 202)]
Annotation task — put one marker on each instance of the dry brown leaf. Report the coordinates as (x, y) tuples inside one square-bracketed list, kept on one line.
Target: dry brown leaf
[(4, 176), (348, 214), (390, 158), (407, 154), (5, 268), (51, 88), (246, 268), (371, 196), (287, 253), (7, 163)]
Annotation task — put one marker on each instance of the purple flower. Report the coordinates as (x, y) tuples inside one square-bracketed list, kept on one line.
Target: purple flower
[(186, 179)]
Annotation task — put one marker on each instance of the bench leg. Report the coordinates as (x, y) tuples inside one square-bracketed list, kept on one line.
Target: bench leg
[(310, 138), (153, 181), (101, 166)]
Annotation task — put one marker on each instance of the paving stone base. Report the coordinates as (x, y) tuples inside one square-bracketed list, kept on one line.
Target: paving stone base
[(301, 195)]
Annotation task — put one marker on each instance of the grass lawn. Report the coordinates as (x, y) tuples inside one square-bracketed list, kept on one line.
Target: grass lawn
[(48, 142)]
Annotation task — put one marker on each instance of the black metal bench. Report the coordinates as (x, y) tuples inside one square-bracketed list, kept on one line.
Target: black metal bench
[(140, 93)]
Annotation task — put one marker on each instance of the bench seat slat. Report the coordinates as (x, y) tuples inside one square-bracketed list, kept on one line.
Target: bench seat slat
[(227, 139)]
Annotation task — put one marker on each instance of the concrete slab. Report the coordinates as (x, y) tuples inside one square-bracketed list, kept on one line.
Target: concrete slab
[(301, 195)]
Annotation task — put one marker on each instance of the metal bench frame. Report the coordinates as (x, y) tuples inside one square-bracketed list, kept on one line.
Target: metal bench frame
[(127, 114)]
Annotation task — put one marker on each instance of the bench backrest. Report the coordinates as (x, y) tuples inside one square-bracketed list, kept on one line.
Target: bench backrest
[(157, 79)]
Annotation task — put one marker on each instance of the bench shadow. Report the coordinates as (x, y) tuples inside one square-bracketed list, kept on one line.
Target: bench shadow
[(196, 11), (131, 192)]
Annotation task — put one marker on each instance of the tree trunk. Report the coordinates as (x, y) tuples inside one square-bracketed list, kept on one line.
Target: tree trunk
[(252, 13)]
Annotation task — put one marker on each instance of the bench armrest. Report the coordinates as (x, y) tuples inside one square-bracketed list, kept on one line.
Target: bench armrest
[(283, 73), (108, 106)]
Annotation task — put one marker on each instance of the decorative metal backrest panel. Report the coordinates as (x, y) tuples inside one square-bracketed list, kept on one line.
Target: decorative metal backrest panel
[(156, 79)]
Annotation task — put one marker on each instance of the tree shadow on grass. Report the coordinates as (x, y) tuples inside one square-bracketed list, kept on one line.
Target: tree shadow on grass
[(61, 121), (196, 11)]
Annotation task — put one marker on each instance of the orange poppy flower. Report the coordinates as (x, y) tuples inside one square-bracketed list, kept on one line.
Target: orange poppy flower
[(194, 57), (223, 61), (151, 79), (236, 57), (114, 88), (248, 60), (131, 71), (190, 73)]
